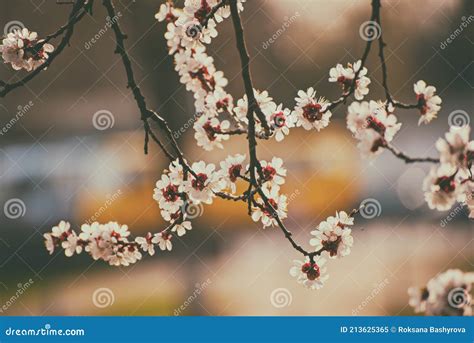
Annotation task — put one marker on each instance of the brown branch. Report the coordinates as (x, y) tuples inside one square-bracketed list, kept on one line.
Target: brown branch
[(365, 55), (404, 106), (251, 136), (253, 106), (145, 112), (74, 17), (399, 154)]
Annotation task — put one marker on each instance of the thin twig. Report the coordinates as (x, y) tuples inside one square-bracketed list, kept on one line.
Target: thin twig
[(399, 154), (74, 18)]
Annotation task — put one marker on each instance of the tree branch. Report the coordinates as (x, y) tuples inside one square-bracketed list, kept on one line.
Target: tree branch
[(74, 17)]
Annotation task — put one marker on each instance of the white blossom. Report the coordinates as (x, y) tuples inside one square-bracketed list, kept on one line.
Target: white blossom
[(440, 187), (345, 76), (311, 112), (310, 274), (456, 149), (428, 102), (23, 50), (334, 235)]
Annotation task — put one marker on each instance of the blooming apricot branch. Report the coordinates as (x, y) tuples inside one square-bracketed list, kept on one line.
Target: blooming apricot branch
[(184, 185), (24, 51)]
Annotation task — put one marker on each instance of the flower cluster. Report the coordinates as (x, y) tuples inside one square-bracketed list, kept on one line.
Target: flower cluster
[(23, 50), (110, 242), (188, 31), (373, 125), (451, 180), (345, 77), (447, 294), (333, 238)]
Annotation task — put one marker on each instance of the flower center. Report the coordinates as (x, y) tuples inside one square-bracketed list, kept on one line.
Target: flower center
[(200, 182), (222, 104), (331, 246), (422, 105), (32, 50), (376, 125), (345, 83), (267, 209), (234, 172), (278, 119), (446, 184), (166, 236), (203, 11), (311, 270), (170, 193), (115, 234), (268, 173), (312, 112), (211, 131)]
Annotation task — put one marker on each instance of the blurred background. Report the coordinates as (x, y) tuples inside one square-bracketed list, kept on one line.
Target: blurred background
[(61, 167)]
